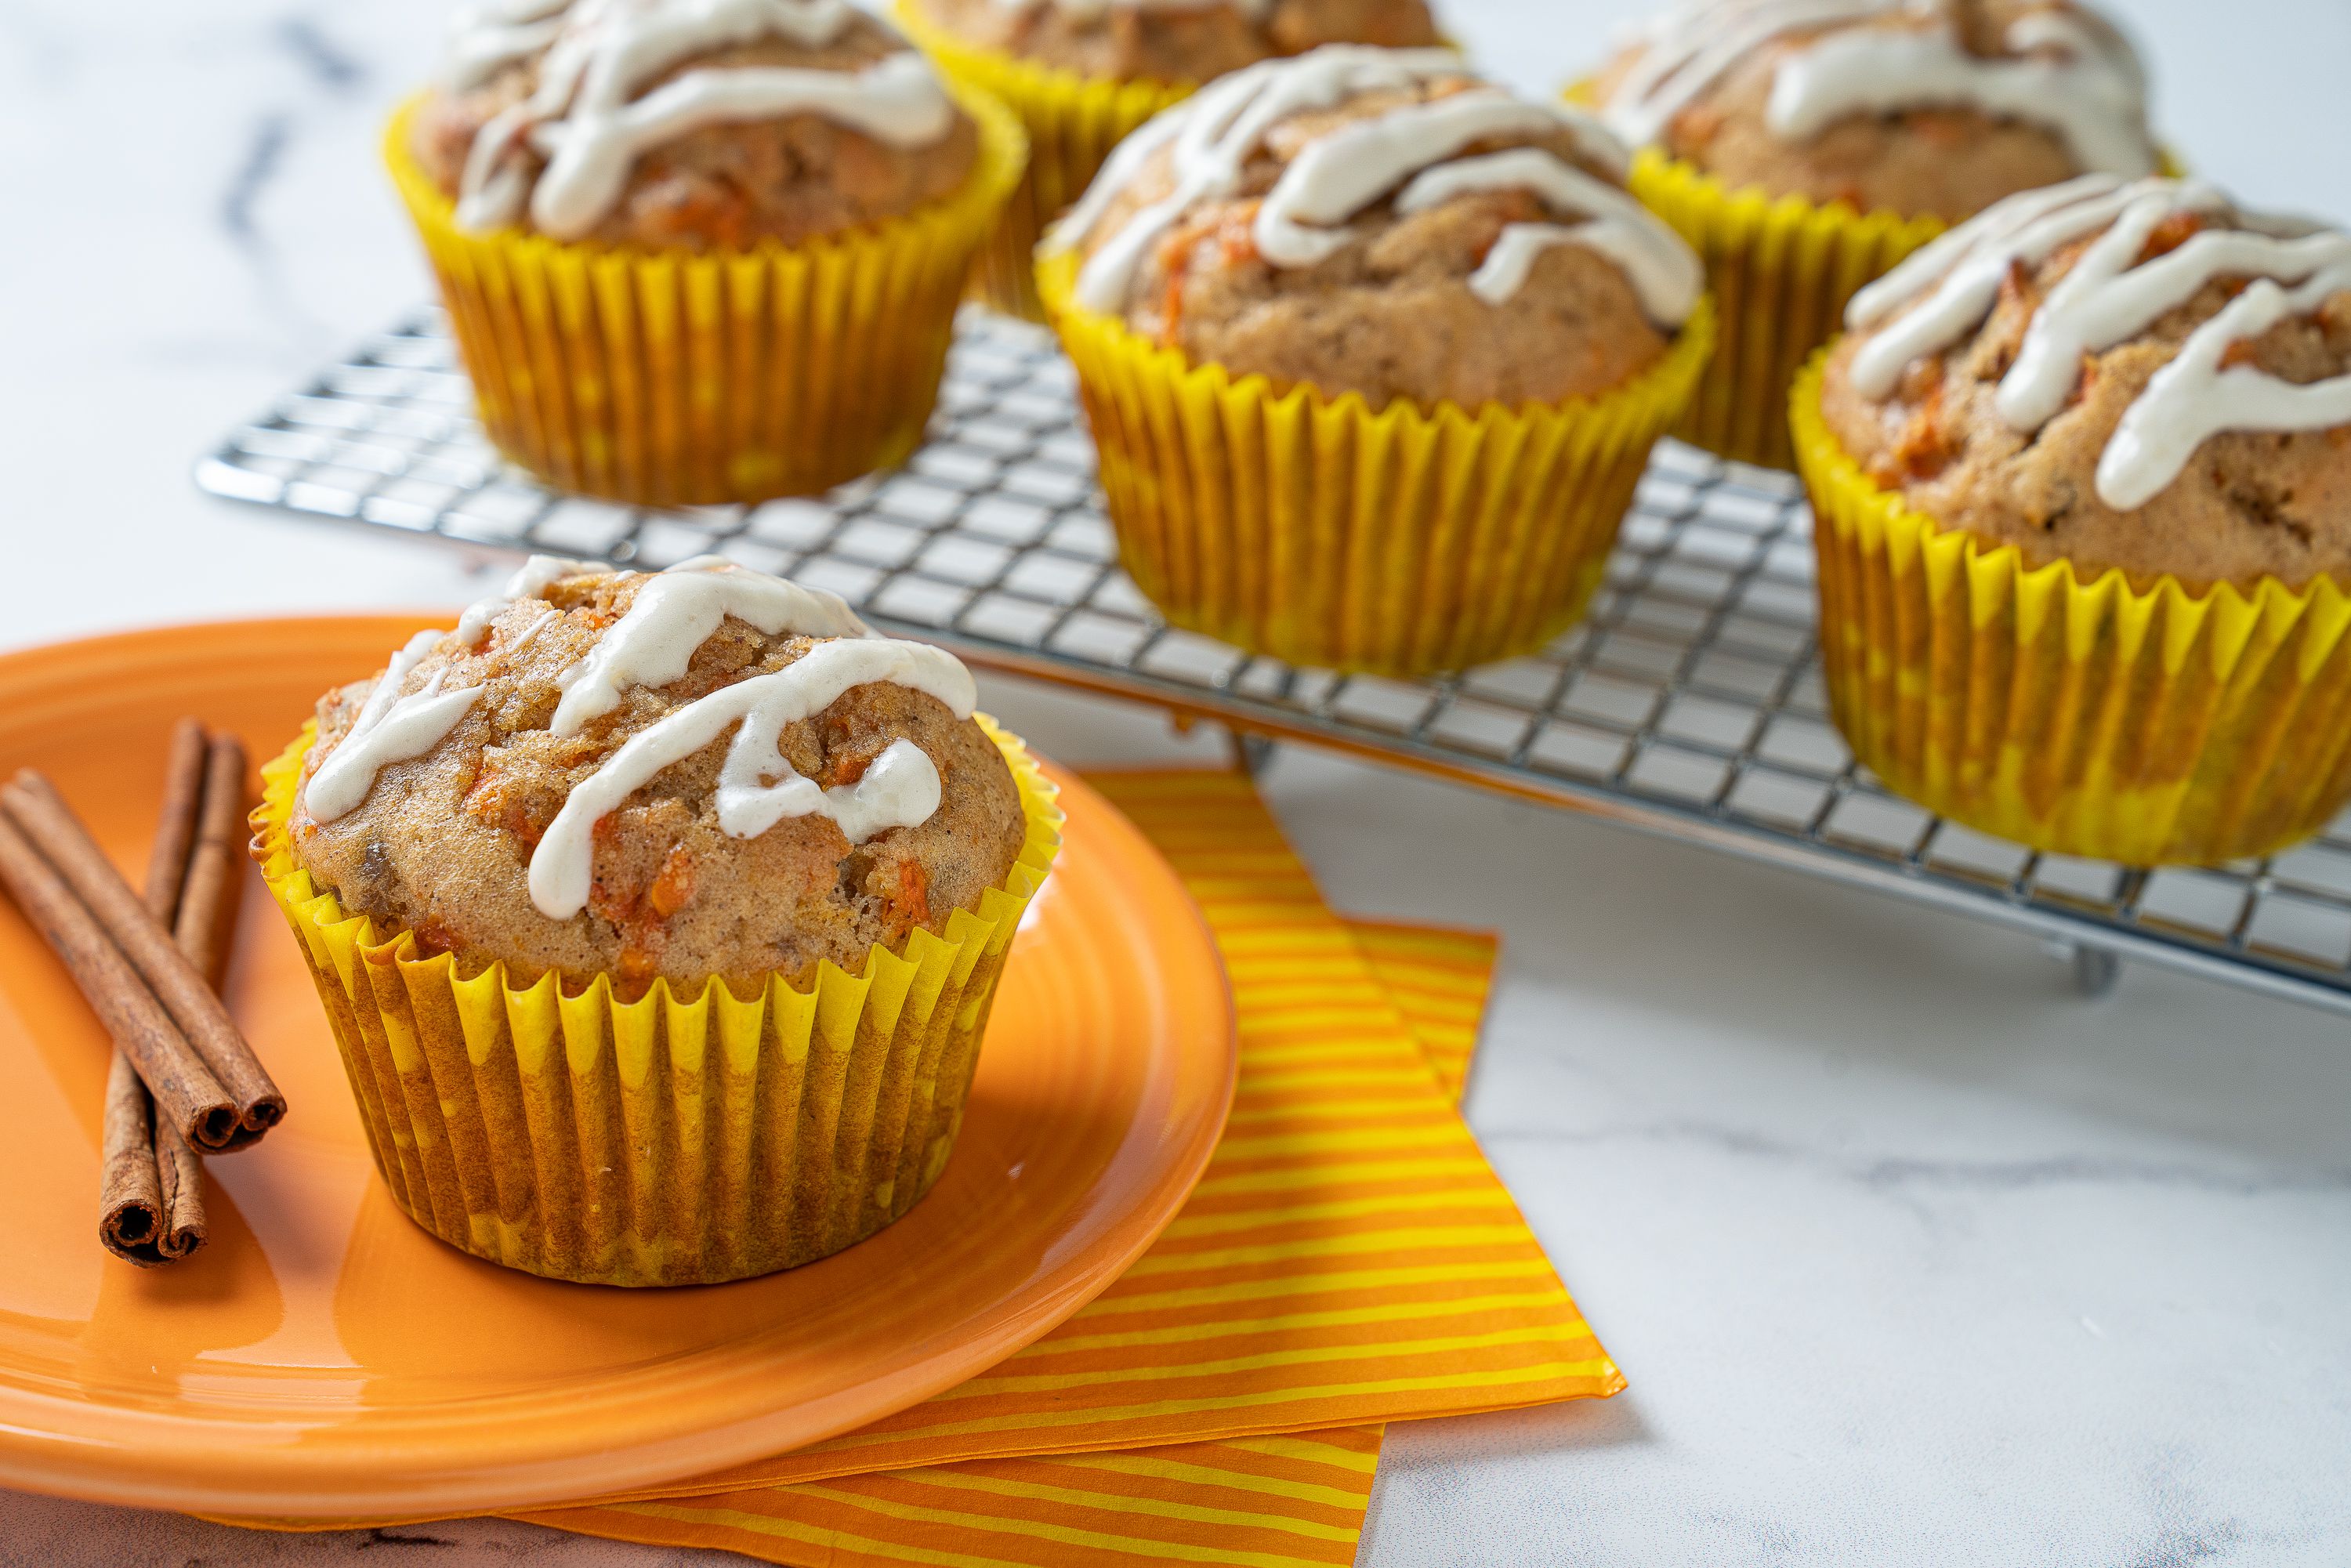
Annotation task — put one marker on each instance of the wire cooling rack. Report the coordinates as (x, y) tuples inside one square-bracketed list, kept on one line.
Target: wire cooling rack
[(1688, 702)]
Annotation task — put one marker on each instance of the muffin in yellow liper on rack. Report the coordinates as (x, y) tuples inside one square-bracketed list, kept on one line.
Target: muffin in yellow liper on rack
[(1373, 352), (2082, 477), (657, 918), (700, 252), (1805, 146), (1081, 74)]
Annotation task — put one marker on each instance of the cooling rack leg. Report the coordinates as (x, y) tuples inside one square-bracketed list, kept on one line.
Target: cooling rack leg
[(1252, 754), (2095, 969)]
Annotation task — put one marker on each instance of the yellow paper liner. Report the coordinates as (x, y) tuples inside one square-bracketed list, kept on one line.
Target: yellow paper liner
[(677, 379), (1317, 532), (670, 1140), (1072, 121), (1780, 270), (2149, 724)]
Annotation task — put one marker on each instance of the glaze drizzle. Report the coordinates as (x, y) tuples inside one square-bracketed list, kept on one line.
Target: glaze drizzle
[(390, 728), (674, 613), (2063, 71), (1333, 179), (652, 644), (758, 787), (585, 118), (2113, 292)]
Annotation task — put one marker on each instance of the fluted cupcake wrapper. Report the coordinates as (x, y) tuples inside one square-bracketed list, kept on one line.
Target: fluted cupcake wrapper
[(670, 1140), (1072, 121), (1782, 270), (675, 379), (1403, 541), (2149, 725)]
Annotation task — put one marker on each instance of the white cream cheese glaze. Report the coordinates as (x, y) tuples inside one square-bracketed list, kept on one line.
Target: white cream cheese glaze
[(1930, 302), (390, 728), (1664, 271), (530, 580), (652, 644), (676, 613), (2071, 74), (758, 787), (586, 118), (486, 38), (1302, 221)]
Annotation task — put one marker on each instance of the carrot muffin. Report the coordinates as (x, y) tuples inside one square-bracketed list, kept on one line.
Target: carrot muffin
[(697, 791), (1084, 73), (2129, 401), (1849, 132), (682, 139), (1356, 229)]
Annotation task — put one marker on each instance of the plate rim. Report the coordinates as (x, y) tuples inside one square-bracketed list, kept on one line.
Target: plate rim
[(49, 1442)]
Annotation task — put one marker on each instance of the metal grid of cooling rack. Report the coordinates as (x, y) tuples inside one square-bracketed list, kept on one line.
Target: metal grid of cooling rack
[(1689, 704)]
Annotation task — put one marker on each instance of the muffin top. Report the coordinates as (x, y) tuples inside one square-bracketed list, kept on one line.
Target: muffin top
[(1925, 108), (2121, 373), (686, 124), (1382, 222), (707, 771), (1185, 41)]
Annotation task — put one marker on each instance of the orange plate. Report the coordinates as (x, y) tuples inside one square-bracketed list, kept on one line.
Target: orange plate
[(324, 1358)]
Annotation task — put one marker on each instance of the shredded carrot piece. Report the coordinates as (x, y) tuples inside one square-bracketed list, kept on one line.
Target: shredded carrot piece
[(1699, 123), (847, 767), (494, 800), (2174, 231), (1926, 448), (1939, 129), (672, 886), (914, 901)]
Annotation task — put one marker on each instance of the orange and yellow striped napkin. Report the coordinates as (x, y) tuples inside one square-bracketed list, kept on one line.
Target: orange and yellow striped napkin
[(1438, 978), (1348, 1259)]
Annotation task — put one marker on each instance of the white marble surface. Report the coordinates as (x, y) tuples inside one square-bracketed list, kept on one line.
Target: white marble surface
[(1910, 1255)]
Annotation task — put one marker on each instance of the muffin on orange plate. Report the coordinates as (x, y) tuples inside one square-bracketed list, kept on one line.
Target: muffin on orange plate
[(1804, 146), (1084, 73), (657, 918), (1373, 352), (699, 250), (2081, 472)]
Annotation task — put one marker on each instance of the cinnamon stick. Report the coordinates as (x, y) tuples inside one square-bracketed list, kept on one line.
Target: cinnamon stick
[(132, 1212), (189, 1097), (205, 922), (152, 1192), (182, 1179), (175, 824), (32, 806), (151, 1188)]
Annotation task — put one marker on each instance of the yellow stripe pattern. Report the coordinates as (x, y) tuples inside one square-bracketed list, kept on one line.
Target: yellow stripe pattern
[(1348, 1259), (1438, 978), (1256, 1502)]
